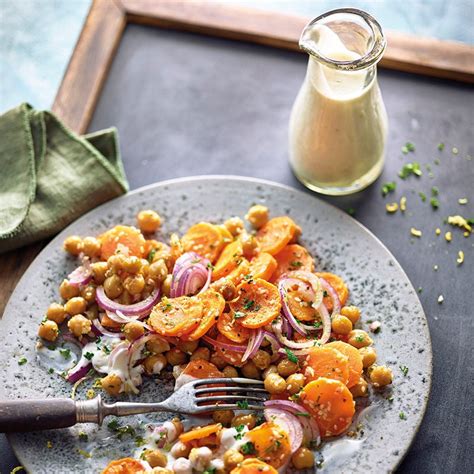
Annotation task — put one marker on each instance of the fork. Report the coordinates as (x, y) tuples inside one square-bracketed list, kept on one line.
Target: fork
[(193, 398)]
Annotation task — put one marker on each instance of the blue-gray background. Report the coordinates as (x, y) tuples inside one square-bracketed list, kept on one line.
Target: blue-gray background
[(37, 36)]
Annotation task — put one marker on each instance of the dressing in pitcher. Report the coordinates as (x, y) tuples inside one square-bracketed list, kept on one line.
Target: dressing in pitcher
[(338, 124)]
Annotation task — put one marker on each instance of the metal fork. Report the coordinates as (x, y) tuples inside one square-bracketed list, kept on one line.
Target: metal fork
[(194, 398)]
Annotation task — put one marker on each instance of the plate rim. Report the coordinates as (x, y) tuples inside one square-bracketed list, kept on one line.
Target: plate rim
[(265, 182)]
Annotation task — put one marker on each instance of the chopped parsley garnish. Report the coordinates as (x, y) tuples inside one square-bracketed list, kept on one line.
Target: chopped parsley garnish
[(113, 425), (302, 413), (404, 370), (296, 264), (291, 356), (83, 436), (434, 203), (139, 441), (50, 370), (120, 430), (410, 168), (210, 470), (317, 324), (239, 314), (440, 146), (434, 191), (243, 404), (248, 448), (89, 355), (248, 277), (360, 338), (351, 211), (106, 349), (407, 148), (66, 353), (248, 304), (422, 196), (388, 187), (402, 416), (84, 453), (240, 434), (22, 361), (210, 266), (151, 255)]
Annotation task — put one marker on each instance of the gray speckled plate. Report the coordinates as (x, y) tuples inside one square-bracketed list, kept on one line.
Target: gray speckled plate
[(338, 243)]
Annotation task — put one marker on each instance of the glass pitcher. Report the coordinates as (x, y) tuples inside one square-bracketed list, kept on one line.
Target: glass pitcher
[(338, 124)]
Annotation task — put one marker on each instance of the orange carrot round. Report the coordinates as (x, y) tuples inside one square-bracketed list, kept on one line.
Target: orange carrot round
[(228, 326), (263, 266), (231, 357), (202, 369), (253, 466), (228, 260), (204, 239), (355, 360), (200, 432), (326, 362), (338, 284), (292, 257), (275, 234), (124, 466)]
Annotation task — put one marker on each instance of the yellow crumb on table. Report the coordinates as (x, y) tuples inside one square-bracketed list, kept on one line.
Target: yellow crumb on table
[(460, 258), (438, 231), (403, 204), (416, 232), (392, 207), (448, 236)]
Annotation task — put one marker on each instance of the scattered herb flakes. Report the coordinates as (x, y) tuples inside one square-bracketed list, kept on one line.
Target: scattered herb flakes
[(422, 196), (248, 304), (243, 404), (391, 208), (460, 258), (84, 453), (403, 204), (454, 150), (239, 314), (402, 416), (351, 211), (22, 361), (434, 191), (139, 441), (291, 357), (210, 470), (448, 236), (248, 448), (463, 201), (434, 203), (360, 338), (437, 162), (440, 299), (303, 414), (49, 444), (50, 370), (66, 353), (410, 168), (89, 355), (438, 231), (440, 146), (151, 255), (404, 370), (240, 432), (83, 436), (388, 187), (408, 147), (416, 232), (420, 289), (391, 398)]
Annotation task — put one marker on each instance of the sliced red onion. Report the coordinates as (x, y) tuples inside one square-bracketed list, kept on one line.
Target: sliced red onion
[(273, 341), (79, 370), (191, 274), (283, 286), (223, 345), (99, 330), (254, 343), (326, 320), (310, 278), (289, 423), (286, 328), (139, 343), (336, 304), (137, 309), (120, 318), (310, 427), (80, 276), (287, 342)]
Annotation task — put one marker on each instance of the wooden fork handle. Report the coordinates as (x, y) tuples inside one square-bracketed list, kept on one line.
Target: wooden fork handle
[(34, 415)]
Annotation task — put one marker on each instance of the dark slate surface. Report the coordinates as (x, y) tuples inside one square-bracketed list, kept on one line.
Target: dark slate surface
[(190, 105)]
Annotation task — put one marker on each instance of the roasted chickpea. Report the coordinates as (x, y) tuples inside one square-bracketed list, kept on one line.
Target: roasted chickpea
[(226, 288), (161, 470), (132, 264), (166, 286), (261, 359), (158, 271), (115, 263), (148, 221), (250, 370), (351, 312), (232, 458), (249, 244), (294, 383), (271, 369), (113, 286), (68, 291), (303, 458), (360, 389), (218, 361), (188, 346), (75, 305), (230, 371), (98, 271), (286, 368), (48, 330), (257, 216), (92, 312), (112, 384), (154, 364), (134, 284), (73, 245), (359, 338), (125, 298), (133, 330), (380, 376), (91, 246), (200, 458), (224, 417), (369, 356), (157, 345), (88, 293), (248, 420), (274, 384), (56, 313), (180, 450), (175, 356), (201, 353), (79, 325), (155, 458), (341, 324), (235, 225)]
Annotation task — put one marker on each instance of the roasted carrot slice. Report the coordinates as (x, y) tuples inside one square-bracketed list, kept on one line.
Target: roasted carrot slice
[(331, 404), (204, 239), (129, 237), (202, 369), (228, 326), (176, 316), (213, 305), (338, 284), (300, 306), (226, 235), (109, 323), (241, 271), (275, 234), (355, 360), (257, 305), (271, 444), (326, 362), (231, 357), (263, 266), (200, 432), (124, 466), (292, 257), (228, 260), (253, 466)]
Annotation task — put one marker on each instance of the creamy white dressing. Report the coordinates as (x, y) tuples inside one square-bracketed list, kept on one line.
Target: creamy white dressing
[(58, 358), (338, 124)]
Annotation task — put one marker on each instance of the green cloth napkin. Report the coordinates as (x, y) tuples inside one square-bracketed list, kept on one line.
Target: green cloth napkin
[(49, 176)]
